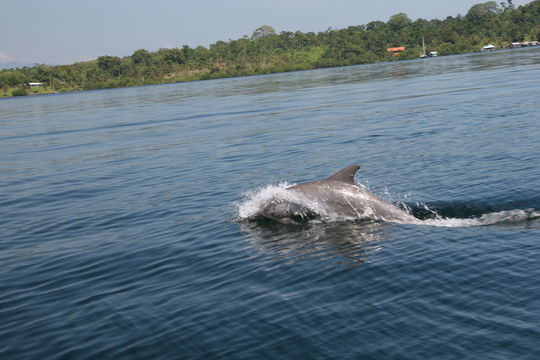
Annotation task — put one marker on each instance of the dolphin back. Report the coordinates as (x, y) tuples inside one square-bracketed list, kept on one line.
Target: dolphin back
[(345, 175)]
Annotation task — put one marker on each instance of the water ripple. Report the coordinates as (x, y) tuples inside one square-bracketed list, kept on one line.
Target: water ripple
[(116, 239)]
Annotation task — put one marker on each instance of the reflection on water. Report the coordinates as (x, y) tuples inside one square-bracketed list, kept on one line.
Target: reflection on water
[(351, 243)]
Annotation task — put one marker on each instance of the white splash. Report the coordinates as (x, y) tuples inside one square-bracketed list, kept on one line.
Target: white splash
[(256, 199)]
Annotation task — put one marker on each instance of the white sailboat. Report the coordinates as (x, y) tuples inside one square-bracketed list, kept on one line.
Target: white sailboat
[(423, 54)]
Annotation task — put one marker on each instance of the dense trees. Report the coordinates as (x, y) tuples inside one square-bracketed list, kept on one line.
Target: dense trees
[(267, 51), (483, 11)]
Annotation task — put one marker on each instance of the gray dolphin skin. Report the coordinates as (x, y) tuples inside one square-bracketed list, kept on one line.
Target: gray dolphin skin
[(336, 196)]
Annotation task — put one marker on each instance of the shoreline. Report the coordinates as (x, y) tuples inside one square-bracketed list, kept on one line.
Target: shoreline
[(46, 90)]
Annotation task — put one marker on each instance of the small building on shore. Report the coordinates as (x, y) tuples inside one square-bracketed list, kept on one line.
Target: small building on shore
[(396, 50), (35, 84)]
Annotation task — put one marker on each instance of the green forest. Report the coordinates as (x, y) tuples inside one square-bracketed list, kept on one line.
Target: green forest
[(267, 51)]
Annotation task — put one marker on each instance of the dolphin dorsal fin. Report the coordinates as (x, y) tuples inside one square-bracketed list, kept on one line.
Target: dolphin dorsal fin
[(345, 175)]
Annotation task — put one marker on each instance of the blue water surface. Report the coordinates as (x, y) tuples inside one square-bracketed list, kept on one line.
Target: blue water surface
[(120, 237)]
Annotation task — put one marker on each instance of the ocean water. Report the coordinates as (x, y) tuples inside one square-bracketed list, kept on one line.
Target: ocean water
[(122, 233)]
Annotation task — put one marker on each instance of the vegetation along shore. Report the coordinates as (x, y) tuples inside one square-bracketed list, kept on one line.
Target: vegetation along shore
[(267, 51)]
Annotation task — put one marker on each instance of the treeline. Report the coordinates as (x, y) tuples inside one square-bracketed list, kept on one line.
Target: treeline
[(267, 51)]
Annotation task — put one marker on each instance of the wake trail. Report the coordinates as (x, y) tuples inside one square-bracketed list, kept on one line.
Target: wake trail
[(501, 217)]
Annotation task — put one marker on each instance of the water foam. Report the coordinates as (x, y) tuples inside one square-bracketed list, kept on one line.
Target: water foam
[(255, 200)]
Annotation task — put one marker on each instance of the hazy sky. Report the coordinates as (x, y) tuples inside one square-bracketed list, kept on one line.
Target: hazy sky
[(66, 31)]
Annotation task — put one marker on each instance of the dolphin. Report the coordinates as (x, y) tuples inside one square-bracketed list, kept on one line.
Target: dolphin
[(337, 196)]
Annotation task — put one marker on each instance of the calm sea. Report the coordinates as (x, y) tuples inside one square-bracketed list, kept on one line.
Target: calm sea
[(121, 235)]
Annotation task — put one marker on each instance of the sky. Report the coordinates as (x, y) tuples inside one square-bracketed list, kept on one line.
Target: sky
[(68, 31)]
